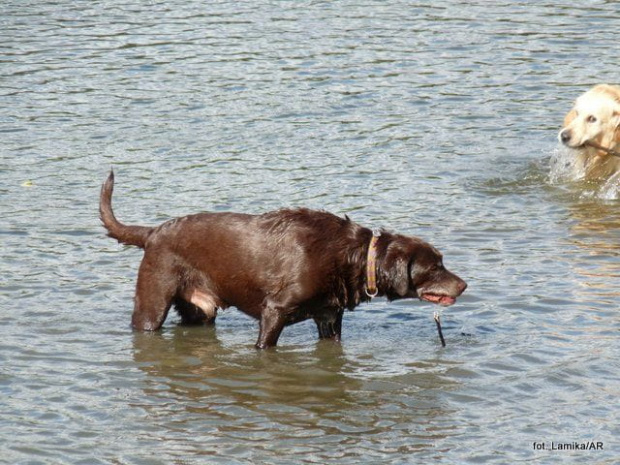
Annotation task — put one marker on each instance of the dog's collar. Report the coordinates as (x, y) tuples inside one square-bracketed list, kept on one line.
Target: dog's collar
[(371, 265)]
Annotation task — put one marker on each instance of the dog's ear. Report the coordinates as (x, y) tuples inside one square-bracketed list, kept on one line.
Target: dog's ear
[(616, 122), (398, 274), (570, 117)]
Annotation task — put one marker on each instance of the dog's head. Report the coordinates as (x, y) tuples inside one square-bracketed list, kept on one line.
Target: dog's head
[(413, 268), (595, 118)]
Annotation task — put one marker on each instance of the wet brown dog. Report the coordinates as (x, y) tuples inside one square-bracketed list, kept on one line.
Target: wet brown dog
[(280, 267)]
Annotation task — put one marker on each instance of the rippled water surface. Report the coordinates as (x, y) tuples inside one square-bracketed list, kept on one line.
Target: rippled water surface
[(435, 119)]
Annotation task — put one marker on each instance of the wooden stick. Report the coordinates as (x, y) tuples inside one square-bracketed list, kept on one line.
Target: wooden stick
[(438, 322), (600, 147)]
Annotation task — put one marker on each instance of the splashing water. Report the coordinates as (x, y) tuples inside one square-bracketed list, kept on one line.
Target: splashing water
[(611, 189), (566, 168)]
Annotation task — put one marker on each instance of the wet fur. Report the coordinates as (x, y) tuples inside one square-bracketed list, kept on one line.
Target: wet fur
[(595, 117), (280, 267)]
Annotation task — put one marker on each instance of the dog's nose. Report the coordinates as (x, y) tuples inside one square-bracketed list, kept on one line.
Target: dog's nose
[(565, 136), (460, 287)]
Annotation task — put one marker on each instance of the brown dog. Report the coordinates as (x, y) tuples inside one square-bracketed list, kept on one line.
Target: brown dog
[(592, 127), (280, 267)]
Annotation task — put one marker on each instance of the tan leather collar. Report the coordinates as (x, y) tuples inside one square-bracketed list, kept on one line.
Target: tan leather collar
[(371, 265)]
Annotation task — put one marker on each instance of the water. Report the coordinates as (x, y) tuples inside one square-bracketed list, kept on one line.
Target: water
[(435, 120)]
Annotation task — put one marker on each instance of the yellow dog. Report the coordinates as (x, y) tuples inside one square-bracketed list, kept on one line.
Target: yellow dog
[(592, 128)]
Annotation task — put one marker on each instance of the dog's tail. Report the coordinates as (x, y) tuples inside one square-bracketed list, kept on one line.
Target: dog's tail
[(130, 235)]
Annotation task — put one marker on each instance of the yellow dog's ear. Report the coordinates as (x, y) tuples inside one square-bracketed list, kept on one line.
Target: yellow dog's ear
[(616, 117), (570, 117)]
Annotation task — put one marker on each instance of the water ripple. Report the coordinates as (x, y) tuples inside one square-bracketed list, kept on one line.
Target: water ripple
[(436, 120)]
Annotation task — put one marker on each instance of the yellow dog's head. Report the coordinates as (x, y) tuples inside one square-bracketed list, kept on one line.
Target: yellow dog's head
[(595, 118)]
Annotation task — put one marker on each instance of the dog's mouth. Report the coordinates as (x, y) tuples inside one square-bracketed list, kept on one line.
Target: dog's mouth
[(567, 139), (443, 300), (579, 146), (600, 150), (584, 145)]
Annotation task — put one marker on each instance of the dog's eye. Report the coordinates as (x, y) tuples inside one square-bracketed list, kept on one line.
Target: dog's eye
[(591, 119)]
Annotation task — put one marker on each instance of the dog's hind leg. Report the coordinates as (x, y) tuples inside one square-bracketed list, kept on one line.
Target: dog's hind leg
[(330, 326), (155, 290), (196, 308)]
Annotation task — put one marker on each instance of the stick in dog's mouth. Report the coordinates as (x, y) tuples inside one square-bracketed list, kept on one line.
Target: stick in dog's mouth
[(600, 147)]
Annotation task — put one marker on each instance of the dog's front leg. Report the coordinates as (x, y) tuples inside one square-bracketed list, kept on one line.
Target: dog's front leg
[(271, 325)]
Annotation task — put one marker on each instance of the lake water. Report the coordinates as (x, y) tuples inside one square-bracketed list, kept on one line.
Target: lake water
[(434, 119)]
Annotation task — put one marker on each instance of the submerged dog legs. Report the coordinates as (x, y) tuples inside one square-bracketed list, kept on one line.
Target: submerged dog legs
[(330, 327), (271, 325), (155, 290)]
